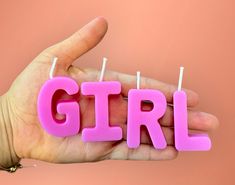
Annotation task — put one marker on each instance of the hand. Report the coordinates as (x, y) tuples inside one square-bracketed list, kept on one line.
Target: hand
[(31, 141)]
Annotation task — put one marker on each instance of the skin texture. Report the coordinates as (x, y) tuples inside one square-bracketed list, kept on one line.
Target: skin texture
[(31, 141)]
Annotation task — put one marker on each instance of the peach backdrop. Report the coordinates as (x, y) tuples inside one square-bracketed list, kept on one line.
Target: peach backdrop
[(153, 36)]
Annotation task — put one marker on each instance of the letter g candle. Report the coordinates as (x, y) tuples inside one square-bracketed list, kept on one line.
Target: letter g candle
[(71, 109)]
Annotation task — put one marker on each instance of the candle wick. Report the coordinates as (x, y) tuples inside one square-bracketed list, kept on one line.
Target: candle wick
[(180, 78), (53, 67), (138, 79), (103, 69)]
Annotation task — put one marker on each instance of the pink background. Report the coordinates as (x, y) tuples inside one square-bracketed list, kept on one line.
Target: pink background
[(155, 37)]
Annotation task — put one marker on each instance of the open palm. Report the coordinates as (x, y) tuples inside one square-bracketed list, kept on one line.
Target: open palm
[(31, 141)]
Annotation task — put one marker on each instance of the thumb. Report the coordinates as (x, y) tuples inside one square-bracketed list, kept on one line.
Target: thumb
[(79, 43)]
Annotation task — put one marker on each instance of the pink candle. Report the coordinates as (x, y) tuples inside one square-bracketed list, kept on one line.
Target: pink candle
[(70, 109), (149, 119), (101, 90), (184, 141), (102, 131)]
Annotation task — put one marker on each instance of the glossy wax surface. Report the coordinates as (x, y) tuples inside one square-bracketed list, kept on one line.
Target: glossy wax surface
[(149, 119), (183, 140), (70, 109), (102, 131)]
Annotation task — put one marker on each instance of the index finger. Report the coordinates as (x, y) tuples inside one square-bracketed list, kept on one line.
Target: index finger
[(129, 82)]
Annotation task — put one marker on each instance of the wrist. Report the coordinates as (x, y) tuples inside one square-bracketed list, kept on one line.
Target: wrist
[(8, 156)]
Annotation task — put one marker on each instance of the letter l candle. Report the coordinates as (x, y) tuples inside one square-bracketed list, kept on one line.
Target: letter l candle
[(183, 140)]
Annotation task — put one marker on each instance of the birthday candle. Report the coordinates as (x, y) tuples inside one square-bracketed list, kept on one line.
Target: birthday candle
[(137, 117), (184, 141), (101, 90), (70, 109)]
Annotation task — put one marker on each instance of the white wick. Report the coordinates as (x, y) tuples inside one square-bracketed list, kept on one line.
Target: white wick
[(53, 67), (180, 78), (103, 69), (138, 79)]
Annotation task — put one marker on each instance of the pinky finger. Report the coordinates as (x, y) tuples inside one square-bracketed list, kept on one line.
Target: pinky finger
[(144, 152)]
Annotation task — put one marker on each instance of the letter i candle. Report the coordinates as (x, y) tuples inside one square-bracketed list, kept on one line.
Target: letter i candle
[(101, 90), (102, 131)]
